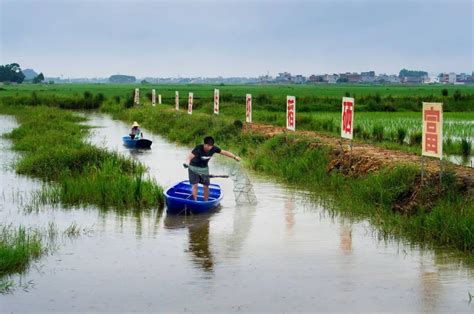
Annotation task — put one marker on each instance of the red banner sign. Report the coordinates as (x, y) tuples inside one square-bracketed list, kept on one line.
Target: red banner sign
[(347, 118), (190, 103), (432, 139), (216, 101), (248, 108), (291, 113)]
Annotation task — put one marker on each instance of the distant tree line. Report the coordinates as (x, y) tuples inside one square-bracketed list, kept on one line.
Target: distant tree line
[(411, 73), (118, 78), (11, 73)]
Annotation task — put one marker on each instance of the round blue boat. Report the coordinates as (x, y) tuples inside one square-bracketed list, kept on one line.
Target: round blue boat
[(141, 143), (179, 198)]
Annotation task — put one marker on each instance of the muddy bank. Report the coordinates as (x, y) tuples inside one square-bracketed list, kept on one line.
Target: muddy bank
[(364, 158)]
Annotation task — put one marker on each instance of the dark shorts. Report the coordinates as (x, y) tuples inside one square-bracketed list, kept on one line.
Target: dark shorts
[(195, 178)]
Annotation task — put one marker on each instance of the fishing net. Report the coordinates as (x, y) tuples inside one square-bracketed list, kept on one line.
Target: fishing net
[(243, 188)]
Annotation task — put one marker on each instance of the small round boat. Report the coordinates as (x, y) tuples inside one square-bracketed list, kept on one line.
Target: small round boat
[(141, 143), (179, 199)]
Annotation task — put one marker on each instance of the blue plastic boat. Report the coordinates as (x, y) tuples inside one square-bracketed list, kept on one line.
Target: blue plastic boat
[(179, 198), (141, 143)]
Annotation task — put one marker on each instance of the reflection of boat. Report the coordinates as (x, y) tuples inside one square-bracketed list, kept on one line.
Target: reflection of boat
[(179, 199), (141, 143)]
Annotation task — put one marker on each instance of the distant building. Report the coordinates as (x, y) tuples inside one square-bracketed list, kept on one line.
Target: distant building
[(391, 79), (283, 77), (298, 79), (265, 79), (447, 78), (354, 78), (367, 77), (412, 79), (330, 78), (312, 78)]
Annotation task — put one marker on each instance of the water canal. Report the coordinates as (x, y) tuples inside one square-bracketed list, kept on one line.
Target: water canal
[(287, 253)]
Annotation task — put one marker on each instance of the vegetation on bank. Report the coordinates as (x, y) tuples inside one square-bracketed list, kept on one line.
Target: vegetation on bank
[(318, 107), (52, 148), (445, 218)]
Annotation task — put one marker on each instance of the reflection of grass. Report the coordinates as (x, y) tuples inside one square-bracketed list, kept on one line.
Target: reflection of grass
[(20, 246), (53, 150), (447, 221)]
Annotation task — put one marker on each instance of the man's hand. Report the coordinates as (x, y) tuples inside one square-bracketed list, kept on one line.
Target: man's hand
[(237, 158)]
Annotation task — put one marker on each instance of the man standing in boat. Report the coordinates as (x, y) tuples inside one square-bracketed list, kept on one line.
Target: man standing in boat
[(198, 164)]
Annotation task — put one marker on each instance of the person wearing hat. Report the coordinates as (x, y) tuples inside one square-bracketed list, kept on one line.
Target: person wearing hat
[(136, 133)]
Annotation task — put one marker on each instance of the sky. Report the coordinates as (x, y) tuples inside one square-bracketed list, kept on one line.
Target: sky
[(182, 38)]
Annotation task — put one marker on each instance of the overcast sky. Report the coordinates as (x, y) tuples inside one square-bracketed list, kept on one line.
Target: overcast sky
[(235, 38)]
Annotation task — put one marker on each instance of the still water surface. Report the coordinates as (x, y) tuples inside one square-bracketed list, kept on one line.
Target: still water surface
[(287, 253)]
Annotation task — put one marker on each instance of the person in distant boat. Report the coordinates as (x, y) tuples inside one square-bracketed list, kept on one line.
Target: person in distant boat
[(136, 133), (197, 163)]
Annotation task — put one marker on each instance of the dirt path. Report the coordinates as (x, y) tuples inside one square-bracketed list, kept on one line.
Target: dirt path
[(366, 158)]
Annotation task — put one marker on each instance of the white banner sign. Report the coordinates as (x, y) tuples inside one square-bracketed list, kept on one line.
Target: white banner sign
[(347, 118), (176, 100), (216, 101), (190, 103), (432, 139), (153, 97), (137, 96), (291, 113), (248, 108), (159, 99)]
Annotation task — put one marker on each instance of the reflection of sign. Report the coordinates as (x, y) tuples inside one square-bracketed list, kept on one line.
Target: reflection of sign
[(290, 112), (137, 96), (153, 97), (159, 99), (190, 103), (432, 140), (347, 119), (176, 100), (248, 108), (216, 101)]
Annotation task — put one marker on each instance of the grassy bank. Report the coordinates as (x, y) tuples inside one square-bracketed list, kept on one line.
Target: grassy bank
[(443, 218), (52, 148)]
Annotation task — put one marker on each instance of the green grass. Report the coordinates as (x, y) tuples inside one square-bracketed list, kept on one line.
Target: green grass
[(18, 247), (52, 147)]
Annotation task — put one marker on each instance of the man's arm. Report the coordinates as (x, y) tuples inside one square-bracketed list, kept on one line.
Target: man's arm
[(229, 154), (188, 159)]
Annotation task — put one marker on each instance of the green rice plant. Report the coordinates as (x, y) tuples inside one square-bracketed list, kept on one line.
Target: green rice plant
[(401, 134), (466, 146), (378, 133), (415, 138)]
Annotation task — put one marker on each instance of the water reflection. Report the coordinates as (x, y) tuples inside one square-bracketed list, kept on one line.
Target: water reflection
[(345, 236), (198, 230), (289, 214), (430, 287)]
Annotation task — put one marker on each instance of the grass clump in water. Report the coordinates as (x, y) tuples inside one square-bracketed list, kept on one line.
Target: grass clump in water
[(53, 150), (18, 247)]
